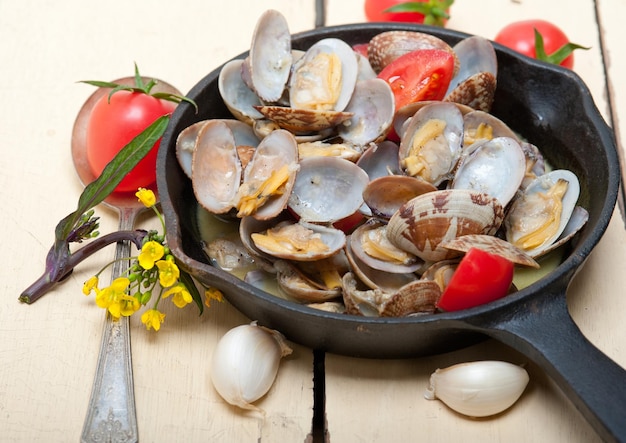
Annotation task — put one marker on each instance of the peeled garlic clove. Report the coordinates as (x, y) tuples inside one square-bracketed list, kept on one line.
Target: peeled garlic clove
[(245, 363), (478, 389)]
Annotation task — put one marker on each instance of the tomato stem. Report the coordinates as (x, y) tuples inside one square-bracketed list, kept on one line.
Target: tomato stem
[(557, 56), (142, 88)]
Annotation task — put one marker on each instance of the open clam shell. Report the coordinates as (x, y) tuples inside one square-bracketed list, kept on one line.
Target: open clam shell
[(277, 153), (370, 244), (299, 286), (270, 56), (480, 124), (416, 297), (327, 189), (325, 77), (380, 159), (299, 241), (373, 106), (495, 167), (186, 140), (216, 169), (538, 217), (431, 143), (385, 195), (238, 97), (475, 83)]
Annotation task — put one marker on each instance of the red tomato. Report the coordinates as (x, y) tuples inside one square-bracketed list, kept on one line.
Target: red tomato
[(436, 11), (480, 277), (520, 36), (419, 75), (349, 223), (112, 125)]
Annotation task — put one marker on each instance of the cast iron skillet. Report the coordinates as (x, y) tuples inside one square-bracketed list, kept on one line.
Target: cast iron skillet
[(552, 108)]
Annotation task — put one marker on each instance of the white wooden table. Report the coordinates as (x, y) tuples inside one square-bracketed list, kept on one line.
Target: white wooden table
[(48, 351)]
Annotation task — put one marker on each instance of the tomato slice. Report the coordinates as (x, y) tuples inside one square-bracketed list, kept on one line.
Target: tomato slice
[(481, 277), (419, 75)]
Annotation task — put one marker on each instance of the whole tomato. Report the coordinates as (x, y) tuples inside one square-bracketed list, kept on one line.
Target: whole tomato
[(539, 39), (430, 12), (118, 117), (480, 277), (114, 123)]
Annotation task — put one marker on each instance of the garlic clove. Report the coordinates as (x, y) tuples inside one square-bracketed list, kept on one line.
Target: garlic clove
[(478, 389), (245, 364)]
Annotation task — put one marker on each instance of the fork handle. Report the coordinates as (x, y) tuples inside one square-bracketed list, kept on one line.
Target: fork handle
[(111, 415)]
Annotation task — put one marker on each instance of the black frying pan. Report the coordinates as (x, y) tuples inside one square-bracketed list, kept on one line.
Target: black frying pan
[(552, 108)]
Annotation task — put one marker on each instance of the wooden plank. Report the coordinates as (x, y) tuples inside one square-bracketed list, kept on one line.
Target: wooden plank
[(380, 400), (612, 36)]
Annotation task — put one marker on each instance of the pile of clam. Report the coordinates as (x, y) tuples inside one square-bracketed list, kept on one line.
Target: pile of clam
[(307, 152)]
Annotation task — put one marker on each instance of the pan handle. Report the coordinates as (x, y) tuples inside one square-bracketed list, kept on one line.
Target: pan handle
[(543, 330)]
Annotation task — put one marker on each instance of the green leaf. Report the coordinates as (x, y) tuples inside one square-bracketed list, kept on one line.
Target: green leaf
[(434, 11), (113, 173), (143, 88), (186, 279)]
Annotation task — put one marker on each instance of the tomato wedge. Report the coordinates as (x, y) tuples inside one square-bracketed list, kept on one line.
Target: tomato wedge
[(481, 277), (419, 75)]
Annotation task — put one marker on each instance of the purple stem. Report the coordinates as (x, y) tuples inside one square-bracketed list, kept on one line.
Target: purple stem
[(60, 262)]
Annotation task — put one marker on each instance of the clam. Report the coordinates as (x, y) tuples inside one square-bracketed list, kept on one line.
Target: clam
[(417, 297), (301, 287), (441, 272), (475, 83), (327, 189), (480, 125), (270, 56), (540, 214), (325, 77), (424, 223), (404, 114), (216, 169), (380, 159), (495, 167), (269, 177), (299, 241), (372, 106), (186, 142), (535, 163), (431, 143), (238, 97), (385, 195), (373, 278), (370, 244)]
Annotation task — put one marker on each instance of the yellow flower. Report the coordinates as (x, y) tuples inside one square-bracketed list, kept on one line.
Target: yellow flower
[(212, 294), (150, 252), (91, 285), (152, 319), (146, 196), (115, 299), (168, 272), (181, 297), (125, 306)]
